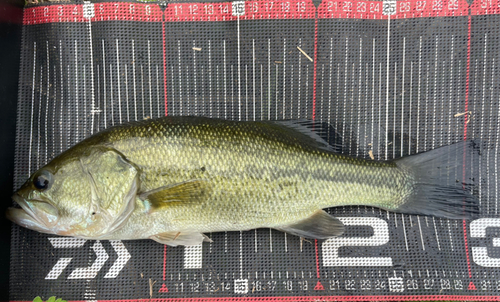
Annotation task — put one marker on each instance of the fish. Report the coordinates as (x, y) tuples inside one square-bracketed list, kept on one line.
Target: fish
[(175, 178)]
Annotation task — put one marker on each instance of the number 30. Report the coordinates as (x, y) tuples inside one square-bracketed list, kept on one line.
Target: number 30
[(480, 254)]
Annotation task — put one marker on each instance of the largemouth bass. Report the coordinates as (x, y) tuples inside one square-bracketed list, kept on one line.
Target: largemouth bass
[(173, 179)]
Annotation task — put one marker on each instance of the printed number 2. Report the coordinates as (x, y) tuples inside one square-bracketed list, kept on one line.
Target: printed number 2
[(380, 236), (480, 254)]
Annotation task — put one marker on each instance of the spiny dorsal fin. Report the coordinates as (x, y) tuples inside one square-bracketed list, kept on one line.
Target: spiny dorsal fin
[(189, 191), (320, 225), (315, 134)]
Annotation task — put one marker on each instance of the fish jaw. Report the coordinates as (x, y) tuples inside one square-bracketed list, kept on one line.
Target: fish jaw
[(25, 216)]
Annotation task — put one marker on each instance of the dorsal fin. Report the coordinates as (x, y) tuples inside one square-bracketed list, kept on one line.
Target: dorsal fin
[(312, 133)]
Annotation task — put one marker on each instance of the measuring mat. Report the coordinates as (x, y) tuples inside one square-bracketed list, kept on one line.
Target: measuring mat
[(393, 77)]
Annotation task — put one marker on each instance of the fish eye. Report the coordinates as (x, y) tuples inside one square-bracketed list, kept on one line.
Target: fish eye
[(43, 180)]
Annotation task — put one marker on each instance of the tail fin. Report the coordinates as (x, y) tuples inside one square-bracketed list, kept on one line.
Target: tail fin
[(443, 181)]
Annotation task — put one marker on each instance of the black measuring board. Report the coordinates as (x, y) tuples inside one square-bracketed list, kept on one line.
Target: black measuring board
[(394, 78)]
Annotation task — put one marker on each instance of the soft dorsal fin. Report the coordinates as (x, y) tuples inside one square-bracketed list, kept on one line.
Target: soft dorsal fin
[(312, 133), (320, 225), (189, 191)]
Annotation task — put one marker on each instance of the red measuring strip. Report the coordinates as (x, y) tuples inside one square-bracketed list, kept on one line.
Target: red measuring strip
[(313, 298), (293, 9)]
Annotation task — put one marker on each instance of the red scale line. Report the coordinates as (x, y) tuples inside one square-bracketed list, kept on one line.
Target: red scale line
[(315, 65), (465, 138), (164, 68), (318, 286), (164, 288), (164, 260)]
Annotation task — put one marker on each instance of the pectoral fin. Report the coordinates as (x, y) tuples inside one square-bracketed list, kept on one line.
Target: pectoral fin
[(180, 238), (320, 225), (189, 191)]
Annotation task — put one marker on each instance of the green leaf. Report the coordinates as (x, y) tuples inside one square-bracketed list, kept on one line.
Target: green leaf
[(51, 299)]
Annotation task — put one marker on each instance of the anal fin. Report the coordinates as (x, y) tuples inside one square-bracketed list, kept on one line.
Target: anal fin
[(180, 238), (320, 225)]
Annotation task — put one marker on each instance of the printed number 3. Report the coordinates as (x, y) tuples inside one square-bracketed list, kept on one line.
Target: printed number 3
[(480, 254)]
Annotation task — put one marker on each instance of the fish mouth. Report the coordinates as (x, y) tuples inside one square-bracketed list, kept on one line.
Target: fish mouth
[(25, 216)]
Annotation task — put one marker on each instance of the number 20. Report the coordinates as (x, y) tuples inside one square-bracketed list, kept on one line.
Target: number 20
[(380, 236)]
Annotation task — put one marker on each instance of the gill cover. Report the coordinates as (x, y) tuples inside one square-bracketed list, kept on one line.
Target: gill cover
[(113, 183)]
